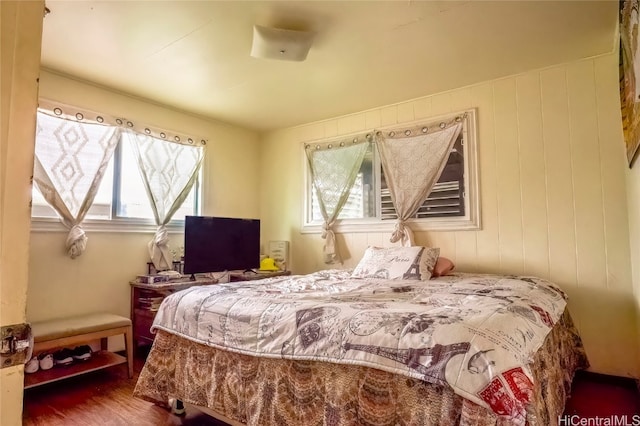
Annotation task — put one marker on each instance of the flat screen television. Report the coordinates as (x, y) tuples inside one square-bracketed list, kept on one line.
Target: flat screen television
[(215, 244)]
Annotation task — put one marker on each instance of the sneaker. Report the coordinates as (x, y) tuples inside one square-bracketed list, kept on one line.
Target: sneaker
[(177, 407), (63, 357), (46, 361), (82, 353), (32, 365)]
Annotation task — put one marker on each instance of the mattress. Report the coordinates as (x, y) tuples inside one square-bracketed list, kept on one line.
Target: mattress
[(277, 352)]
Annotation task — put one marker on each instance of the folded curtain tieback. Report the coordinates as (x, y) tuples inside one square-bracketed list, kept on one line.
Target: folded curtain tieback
[(330, 253), (327, 229), (76, 241), (402, 233), (159, 249), (398, 232), (161, 236)]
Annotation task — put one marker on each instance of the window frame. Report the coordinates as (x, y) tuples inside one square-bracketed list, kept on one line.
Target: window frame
[(469, 222), (119, 223)]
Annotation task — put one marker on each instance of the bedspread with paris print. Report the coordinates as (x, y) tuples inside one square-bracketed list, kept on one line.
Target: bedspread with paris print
[(475, 333)]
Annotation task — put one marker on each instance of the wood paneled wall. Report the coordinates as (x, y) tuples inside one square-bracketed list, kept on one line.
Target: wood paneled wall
[(633, 191), (552, 189)]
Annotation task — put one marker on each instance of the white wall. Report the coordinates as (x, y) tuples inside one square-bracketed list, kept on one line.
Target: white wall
[(552, 188), (99, 279)]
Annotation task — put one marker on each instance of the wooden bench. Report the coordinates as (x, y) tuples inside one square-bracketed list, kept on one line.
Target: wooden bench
[(73, 331)]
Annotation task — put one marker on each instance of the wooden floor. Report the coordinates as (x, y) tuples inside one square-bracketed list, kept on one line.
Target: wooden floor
[(595, 395), (103, 398)]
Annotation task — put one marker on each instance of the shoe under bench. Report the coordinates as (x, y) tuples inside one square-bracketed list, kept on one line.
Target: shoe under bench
[(68, 332)]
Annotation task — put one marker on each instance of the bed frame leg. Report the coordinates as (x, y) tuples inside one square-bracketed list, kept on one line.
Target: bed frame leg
[(177, 407)]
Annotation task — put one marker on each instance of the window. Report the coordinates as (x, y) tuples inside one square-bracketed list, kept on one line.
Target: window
[(121, 199), (452, 205), (131, 197), (361, 202)]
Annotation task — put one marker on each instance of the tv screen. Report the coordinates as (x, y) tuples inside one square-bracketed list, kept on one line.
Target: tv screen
[(214, 244)]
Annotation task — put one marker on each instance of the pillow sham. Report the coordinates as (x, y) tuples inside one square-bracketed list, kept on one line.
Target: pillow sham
[(397, 263), (443, 267)]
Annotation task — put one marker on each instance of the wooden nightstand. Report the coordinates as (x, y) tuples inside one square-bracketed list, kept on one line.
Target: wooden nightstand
[(145, 300), (250, 276)]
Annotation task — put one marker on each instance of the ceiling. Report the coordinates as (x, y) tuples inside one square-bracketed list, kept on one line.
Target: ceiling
[(194, 55)]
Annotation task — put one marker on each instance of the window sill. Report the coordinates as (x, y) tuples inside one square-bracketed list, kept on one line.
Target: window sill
[(46, 224), (461, 224)]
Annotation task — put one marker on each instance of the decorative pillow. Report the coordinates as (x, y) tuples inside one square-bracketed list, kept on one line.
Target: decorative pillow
[(397, 263), (443, 267)]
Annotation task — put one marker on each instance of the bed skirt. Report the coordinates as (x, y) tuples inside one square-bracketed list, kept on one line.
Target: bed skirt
[(261, 391)]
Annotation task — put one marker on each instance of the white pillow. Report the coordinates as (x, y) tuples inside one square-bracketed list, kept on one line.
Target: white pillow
[(397, 263)]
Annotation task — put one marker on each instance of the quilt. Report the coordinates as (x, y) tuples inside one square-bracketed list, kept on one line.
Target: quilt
[(477, 334)]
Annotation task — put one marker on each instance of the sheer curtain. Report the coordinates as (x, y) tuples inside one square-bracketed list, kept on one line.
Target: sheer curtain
[(169, 170), (70, 160), (413, 160), (334, 167)]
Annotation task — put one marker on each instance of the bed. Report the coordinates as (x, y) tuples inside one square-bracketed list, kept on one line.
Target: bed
[(368, 347)]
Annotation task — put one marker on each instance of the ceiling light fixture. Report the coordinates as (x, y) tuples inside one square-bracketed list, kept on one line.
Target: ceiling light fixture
[(277, 43)]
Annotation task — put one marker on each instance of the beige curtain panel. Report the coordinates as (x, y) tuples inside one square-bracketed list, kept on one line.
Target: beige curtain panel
[(70, 160), (169, 171), (334, 167), (413, 160)]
